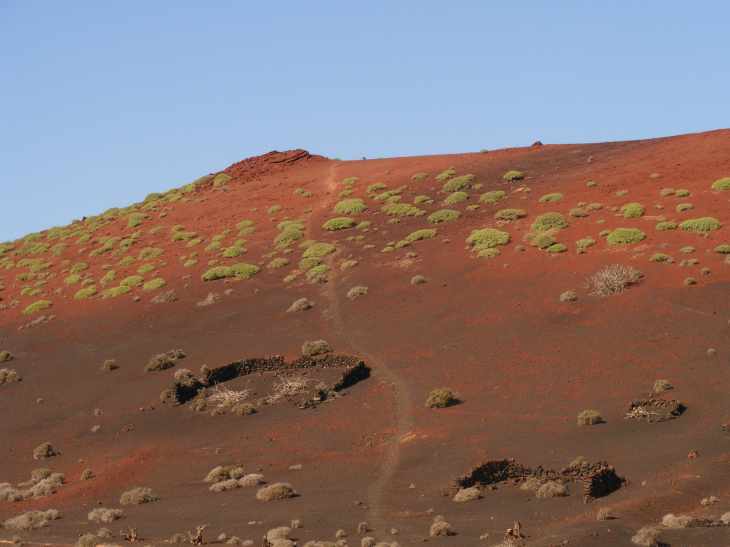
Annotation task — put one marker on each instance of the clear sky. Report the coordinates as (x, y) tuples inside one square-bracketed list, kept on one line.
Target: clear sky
[(104, 102)]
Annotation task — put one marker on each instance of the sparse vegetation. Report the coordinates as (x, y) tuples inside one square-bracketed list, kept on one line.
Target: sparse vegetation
[(402, 210), (86, 292), (44, 451), (32, 520), (418, 235), (9, 376), (302, 304), (625, 236), (556, 248), (154, 284), (456, 197), (583, 244), (724, 249), (660, 257), (164, 361), (102, 515), (446, 174)]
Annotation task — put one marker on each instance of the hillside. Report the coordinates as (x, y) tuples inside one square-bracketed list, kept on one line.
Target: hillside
[(534, 283)]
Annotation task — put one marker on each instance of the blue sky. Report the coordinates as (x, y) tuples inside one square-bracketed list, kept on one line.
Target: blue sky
[(104, 102)]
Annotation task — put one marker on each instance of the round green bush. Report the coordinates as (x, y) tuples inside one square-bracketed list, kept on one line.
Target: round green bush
[(338, 223), (721, 185), (493, 196), (625, 236), (352, 206), (510, 214), (458, 184), (549, 198), (548, 221), (513, 175), (456, 197), (443, 215), (487, 238), (633, 210), (703, 224)]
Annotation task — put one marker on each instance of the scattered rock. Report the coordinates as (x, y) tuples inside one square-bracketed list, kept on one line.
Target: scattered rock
[(302, 304)]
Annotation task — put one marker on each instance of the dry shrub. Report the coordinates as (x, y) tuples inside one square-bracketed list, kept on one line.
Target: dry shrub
[(302, 304), (315, 347), (225, 398), (441, 398), (276, 491), (137, 496), (613, 279), (44, 450), (8, 376), (648, 536), (252, 479), (552, 489), (102, 515), (163, 361), (224, 472), (32, 520), (225, 485), (289, 386), (467, 494), (590, 417), (440, 527)]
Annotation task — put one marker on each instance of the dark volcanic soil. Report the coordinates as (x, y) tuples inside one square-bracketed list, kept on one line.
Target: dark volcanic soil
[(494, 330)]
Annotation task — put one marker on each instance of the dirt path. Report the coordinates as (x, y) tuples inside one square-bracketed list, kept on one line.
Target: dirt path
[(403, 405)]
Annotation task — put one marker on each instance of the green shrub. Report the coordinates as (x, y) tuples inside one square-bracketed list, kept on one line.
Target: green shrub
[(665, 226), (510, 214), (621, 193), (351, 206), (682, 207), (458, 184), (277, 263), (108, 277), (72, 279), (666, 192), (30, 291), (364, 225), (550, 198), (237, 271), (493, 196), (221, 179), (338, 223), (583, 244), (633, 210), (578, 212), (625, 236), (660, 257), (402, 210), (389, 195), (589, 417), (418, 235), (319, 250), (721, 185), (78, 267), (420, 199), (513, 175), (287, 236), (182, 235), (145, 268), (274, 209), (418, 177), (150, 252), (318, 274), (376, 187), (135, 219), (486, 238), (234, 250), (86, 292), (349, 181), (548, 221), (703, 224), (443, 215), (445, 175), (591, 184), (556, 248), (723, 249), (687, 249), (154, 284), (132, 281), (492, 252), (456, 197), (37, 306), (543, 240), (682, 193)]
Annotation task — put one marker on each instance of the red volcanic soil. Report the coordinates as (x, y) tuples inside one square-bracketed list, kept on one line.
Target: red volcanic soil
[(493, 329)]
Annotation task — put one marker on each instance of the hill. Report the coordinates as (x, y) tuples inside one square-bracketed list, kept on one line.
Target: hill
[(286, 318)]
